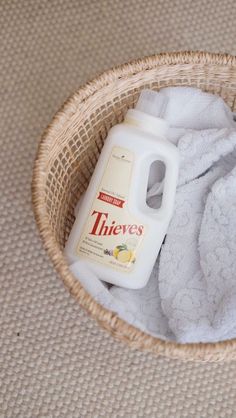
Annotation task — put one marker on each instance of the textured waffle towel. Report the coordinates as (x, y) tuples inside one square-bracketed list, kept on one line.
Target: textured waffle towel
[(191, 295)]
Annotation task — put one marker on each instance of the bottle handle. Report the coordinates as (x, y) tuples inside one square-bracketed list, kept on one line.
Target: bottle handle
[(170, 157), (171, 161)]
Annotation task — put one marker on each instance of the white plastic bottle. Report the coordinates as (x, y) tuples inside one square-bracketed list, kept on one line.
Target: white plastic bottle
[(116, 233)]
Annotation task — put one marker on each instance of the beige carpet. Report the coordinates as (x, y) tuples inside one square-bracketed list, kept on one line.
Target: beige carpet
[(54, 360)]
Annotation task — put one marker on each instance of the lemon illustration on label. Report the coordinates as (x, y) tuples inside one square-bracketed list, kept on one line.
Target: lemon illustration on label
[(116, 252), (132, 257), (123, 254)]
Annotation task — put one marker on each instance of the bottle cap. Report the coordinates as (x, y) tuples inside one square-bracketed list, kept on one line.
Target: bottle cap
[(152, 103), (149, 113)]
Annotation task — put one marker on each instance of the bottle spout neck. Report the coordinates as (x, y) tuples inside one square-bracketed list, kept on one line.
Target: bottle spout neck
[(152, 124)]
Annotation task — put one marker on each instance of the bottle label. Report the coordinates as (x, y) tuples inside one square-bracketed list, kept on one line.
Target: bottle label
[(111, 235)]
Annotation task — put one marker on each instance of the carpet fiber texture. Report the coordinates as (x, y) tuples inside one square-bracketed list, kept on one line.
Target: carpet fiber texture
[(54, 360)]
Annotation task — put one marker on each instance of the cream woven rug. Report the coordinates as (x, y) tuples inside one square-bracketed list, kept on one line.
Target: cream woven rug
[(54, 360)]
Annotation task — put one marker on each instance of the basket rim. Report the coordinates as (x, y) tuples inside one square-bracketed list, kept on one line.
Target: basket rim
[(218, 351)]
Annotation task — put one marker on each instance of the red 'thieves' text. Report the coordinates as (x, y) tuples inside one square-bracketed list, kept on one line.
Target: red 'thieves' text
[(101, 226)]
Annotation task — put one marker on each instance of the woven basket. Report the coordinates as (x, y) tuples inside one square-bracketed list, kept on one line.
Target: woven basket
[(68, 153)]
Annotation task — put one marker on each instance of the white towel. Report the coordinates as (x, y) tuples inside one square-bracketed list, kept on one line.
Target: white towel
[(191, 295)]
